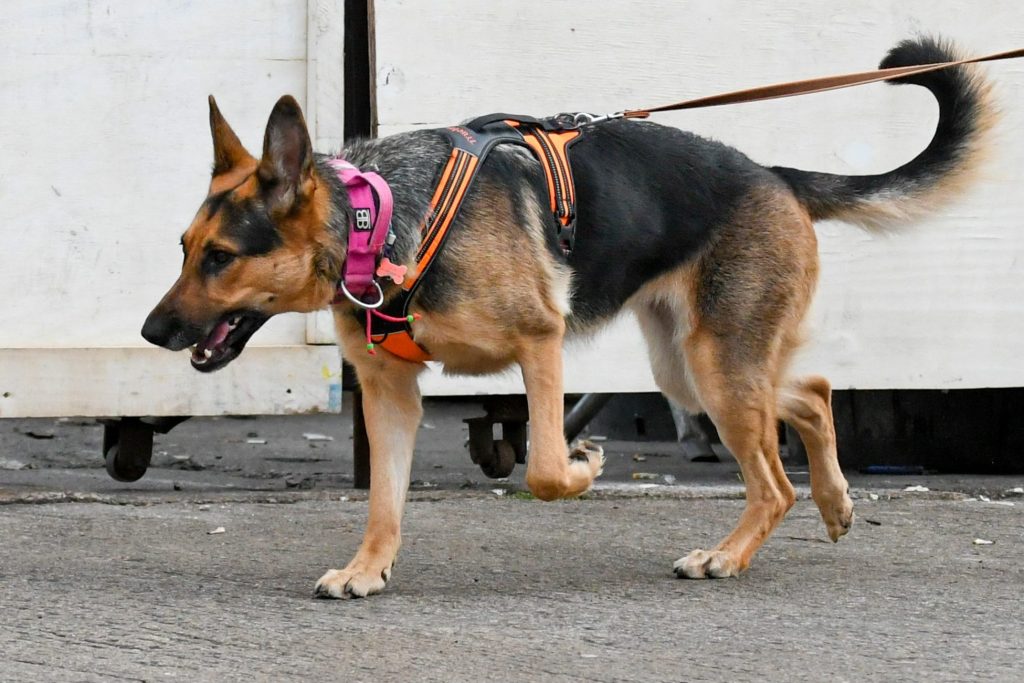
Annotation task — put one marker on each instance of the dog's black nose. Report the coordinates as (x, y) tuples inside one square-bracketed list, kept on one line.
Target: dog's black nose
[(160, 329)]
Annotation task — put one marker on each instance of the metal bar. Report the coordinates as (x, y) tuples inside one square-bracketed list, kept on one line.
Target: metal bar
[(585, 410), (360, 444)]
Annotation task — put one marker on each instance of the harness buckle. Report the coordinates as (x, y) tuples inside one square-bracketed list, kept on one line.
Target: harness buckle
[(567, 236)]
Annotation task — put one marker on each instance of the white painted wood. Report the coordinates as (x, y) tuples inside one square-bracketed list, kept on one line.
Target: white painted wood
[(149, 381), (104, 157), (940, 305), (325, 73), (106, 151), (614, 362), (325, 108), (320, 328)]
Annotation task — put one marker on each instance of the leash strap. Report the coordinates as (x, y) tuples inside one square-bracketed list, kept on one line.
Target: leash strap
[(815, 85), (368, 229)]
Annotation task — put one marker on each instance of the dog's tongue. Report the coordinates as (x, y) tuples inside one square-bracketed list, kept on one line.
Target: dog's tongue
[(219, 334)]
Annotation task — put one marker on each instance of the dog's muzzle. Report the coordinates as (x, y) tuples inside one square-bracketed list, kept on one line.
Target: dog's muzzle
[(168, 331)]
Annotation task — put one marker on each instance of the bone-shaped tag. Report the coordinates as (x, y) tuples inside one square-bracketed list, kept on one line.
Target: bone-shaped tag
[(391, 270)]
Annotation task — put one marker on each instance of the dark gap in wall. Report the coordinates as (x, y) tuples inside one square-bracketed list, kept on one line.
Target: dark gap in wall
[(358, 69), (358, 96)]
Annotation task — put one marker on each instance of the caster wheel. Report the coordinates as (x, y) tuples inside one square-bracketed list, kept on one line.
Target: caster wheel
[(120, 470), (128, 449), (502, 463)]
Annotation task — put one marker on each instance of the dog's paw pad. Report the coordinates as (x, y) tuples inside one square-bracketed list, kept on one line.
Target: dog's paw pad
[(706, 564)]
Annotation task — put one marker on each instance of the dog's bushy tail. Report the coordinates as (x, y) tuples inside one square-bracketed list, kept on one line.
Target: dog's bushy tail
[(952, 159)]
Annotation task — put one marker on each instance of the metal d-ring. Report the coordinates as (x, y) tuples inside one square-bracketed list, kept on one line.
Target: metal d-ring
[(362, 304)]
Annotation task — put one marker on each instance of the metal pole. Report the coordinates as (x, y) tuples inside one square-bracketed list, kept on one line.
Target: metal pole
[(585, 410), (360, 444)]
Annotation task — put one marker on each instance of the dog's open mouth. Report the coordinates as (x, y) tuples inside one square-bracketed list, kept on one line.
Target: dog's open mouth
[(227, 339)]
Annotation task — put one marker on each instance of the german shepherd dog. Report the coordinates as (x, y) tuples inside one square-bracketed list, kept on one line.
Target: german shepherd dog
[(714, 253)]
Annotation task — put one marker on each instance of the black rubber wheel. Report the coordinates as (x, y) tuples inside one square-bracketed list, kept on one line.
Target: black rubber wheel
[(129, 448), (503, 462)]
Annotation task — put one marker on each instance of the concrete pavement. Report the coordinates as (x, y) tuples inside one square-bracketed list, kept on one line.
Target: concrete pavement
[(498, 588), (105, 581)]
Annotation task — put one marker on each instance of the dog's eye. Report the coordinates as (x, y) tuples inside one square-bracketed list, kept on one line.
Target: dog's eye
[(216, 259), (221, 257)]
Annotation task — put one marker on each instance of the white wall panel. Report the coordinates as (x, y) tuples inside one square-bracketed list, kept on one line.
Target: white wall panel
[(938, 305), (106, 151), (104, 158)]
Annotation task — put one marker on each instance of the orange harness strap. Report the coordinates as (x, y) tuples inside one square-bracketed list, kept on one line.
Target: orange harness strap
[(546, 140), (455, 180), (551, 148)]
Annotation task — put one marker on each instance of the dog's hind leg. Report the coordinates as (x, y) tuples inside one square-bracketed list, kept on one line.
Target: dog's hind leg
[(391, 405), (740, 399), (664, 325), (745, 299), (806, 404), (551, 470)]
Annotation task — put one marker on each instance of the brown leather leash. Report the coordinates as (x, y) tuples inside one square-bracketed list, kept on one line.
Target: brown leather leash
[(814, 85)]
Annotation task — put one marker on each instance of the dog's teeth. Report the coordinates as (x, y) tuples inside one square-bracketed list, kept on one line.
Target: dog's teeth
[(208, 353)]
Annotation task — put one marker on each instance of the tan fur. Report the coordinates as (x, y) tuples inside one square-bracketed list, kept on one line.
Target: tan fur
[(391, 405), (297, 277), (522, 300), (725, 352)]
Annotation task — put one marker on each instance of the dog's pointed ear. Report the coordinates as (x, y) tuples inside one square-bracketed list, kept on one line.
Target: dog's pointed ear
[(228, 151), (286, 169)]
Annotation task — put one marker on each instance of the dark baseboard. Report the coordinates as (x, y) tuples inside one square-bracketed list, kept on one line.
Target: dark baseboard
[(963, 431), (960, 431)]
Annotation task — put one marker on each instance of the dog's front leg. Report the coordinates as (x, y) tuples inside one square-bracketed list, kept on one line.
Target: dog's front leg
[(391, 405), (552, 471)]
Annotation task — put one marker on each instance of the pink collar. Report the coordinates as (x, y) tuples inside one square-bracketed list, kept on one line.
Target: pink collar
[(367, 231)]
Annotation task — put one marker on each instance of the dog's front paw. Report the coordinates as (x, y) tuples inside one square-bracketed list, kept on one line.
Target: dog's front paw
[(590, 454), (357, 580), (554, 480), (707, 564)]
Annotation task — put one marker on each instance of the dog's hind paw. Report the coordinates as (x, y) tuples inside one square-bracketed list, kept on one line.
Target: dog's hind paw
[(837, 513), (707, 564), (351, 582)]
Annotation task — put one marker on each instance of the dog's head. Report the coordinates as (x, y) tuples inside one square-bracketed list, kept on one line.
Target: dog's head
[(258, 246)]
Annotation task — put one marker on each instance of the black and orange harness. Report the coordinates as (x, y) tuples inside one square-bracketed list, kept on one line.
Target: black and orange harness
[(549, 140)]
